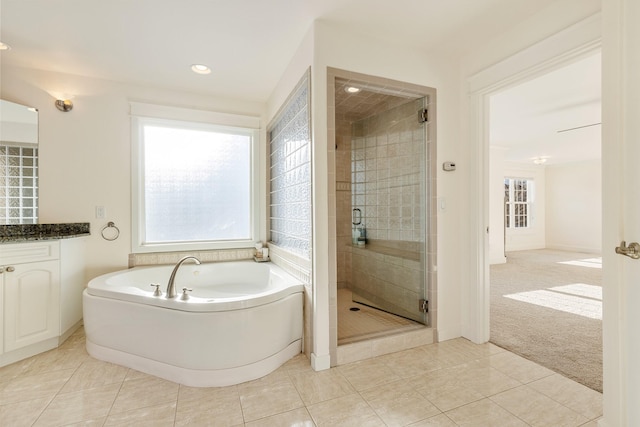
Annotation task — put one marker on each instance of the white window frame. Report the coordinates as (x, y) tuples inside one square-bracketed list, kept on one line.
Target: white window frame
[(142, 114), (512, 203)]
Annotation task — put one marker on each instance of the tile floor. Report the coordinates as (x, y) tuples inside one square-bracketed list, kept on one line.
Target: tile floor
[(453, 383)]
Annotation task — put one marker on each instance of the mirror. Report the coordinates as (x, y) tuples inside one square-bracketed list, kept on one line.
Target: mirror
[(18, 164)]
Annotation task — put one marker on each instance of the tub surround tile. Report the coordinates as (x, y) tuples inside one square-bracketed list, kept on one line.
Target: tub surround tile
[(170, 258), (31, 232)]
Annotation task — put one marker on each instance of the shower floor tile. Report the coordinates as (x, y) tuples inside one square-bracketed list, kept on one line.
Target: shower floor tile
[(366, 322)]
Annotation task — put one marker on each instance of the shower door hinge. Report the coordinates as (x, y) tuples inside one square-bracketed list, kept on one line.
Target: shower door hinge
[(423, 116), (424, 306)]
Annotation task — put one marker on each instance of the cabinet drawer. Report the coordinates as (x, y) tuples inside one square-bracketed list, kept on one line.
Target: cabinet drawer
[(20, 253)]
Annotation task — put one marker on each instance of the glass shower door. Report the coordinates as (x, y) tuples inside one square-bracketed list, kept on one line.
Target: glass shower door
[(389, 192)]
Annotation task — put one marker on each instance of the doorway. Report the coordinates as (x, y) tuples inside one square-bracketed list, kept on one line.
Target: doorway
[(383, 155), (545, 207)]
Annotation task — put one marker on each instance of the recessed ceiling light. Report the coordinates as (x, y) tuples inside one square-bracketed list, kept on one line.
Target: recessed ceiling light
[(540, 160), (352, 89), (4, 46), (200, 69)]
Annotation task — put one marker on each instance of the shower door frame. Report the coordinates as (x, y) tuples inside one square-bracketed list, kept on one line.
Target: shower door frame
[(430, 196)]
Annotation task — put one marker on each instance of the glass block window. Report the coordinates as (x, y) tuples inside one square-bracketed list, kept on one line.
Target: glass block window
[(18, 185), (289, 139), (519, 195), (194, 185)]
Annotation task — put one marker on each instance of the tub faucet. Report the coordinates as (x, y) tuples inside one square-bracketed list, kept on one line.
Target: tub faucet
[(171, 288)]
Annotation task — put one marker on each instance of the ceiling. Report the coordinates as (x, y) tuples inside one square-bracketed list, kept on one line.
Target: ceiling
[(247, 43), (555, 116)]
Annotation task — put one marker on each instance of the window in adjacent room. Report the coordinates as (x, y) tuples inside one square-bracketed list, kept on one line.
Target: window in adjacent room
[(194, 185), (519, 195)]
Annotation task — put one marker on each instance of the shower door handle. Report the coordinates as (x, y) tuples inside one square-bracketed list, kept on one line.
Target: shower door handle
[(353, 216), (632, 251)]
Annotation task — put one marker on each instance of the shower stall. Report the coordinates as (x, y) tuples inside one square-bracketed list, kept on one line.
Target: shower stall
[(384, 221)]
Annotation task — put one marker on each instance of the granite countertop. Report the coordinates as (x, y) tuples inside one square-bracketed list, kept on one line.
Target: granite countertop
[(30, 232)]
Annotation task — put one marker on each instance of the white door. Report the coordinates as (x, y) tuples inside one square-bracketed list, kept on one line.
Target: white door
[(621, 214)]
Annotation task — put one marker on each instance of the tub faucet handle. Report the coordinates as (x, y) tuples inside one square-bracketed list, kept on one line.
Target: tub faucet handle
[(157, 292), (185, 295)]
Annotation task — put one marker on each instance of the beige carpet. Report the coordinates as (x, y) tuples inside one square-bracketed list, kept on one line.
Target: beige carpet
[(547, 307)]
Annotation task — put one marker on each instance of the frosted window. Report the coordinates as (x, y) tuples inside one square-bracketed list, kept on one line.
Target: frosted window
[(194, 185)]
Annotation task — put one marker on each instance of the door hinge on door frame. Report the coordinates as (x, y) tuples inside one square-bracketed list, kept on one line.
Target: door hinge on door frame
[(423, 115), (424, 305)]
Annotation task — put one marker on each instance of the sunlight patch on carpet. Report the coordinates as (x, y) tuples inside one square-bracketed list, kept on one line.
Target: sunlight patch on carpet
[(587, 262), (583, 300)]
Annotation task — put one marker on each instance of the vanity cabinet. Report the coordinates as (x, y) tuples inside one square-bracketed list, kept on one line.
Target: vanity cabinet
[(41, 287)]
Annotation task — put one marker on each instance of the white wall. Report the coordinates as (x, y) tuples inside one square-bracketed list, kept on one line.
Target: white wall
[(574, 207), (85, 154)]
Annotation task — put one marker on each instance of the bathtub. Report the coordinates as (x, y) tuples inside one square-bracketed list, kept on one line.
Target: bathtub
[(241, 321)]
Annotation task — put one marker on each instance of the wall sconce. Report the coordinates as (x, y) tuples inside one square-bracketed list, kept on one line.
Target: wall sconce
[(64, 105)]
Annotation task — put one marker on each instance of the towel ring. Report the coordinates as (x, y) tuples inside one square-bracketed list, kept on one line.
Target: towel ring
[(110, 224)]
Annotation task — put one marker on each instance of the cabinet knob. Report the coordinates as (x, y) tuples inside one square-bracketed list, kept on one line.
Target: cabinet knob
[(10, 269)]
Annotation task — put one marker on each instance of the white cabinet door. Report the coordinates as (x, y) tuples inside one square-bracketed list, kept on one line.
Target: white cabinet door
[(31, 304)]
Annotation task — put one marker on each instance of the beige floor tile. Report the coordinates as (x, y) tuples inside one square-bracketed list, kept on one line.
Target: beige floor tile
[(162, 415), (55, 360), (537, 409), (446, 388), (268, 396), (484, 379), (34, 386), (485, 413), (315, 387), (368, 373), (409, 363), (346, 411), (571, 394), (78, 406), (208, 407), (140, 393), (299, 363), (23, 413), (298, 417), (399, 404), (94, 373), (518, 367), (98, 422), (438, 421)]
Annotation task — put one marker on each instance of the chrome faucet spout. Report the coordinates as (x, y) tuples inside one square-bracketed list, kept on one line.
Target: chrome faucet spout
[(171, 288)]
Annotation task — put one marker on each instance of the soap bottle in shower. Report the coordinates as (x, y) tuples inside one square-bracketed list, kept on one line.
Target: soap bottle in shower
[(362, 235), (355, 235)]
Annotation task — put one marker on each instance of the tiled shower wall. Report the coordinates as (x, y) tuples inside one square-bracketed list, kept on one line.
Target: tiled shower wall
[(290, 172)]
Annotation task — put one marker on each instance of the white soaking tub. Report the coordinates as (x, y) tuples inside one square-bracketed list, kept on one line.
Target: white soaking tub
[(241, 321)]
